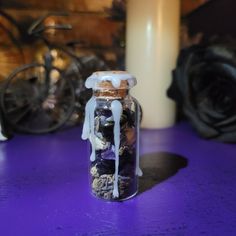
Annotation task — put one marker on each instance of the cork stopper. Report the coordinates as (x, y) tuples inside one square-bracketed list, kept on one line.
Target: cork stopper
[(106, 89), (108, 85)]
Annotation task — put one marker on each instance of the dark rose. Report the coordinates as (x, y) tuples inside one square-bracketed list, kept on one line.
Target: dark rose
[(204, 87)]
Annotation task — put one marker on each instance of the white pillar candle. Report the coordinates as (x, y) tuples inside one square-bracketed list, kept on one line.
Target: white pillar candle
[(151, 52)]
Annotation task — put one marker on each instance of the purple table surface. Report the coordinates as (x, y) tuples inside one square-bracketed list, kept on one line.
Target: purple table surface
[(188, 187)]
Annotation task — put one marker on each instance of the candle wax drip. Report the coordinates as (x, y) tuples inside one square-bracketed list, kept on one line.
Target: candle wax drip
[(116, 109), (88, 127), (115, 77)]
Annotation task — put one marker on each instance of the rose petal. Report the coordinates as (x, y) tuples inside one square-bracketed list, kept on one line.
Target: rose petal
[(203, 129)]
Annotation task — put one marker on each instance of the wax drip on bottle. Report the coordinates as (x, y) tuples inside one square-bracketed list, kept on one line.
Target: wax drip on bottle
[(88, 127), (116, 109), (115, 77)]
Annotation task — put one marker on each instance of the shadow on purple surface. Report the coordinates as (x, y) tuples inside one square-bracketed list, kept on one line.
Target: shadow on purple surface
[(157, 167)]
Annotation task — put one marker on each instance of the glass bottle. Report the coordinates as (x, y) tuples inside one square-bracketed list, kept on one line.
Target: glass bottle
[(112, 126)]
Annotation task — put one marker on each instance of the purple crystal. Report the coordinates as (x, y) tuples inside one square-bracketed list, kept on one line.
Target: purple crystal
[(108, 154)]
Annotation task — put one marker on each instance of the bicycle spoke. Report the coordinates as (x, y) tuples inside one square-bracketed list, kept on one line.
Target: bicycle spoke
[(18, 108), (18, 118), (14, 98)]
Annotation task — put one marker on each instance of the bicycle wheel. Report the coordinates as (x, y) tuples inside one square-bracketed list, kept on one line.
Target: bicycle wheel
[(34, 104)]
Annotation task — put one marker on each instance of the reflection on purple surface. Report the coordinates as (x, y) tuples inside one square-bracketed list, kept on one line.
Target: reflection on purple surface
[(188, 188)]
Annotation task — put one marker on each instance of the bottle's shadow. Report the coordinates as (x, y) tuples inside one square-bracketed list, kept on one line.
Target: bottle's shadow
[(158, 167)]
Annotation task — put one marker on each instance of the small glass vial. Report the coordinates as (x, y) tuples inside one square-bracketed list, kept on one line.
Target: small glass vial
[(112, 126)]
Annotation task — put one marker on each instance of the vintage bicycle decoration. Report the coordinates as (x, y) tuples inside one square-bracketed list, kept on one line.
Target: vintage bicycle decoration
[(41, 97)]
